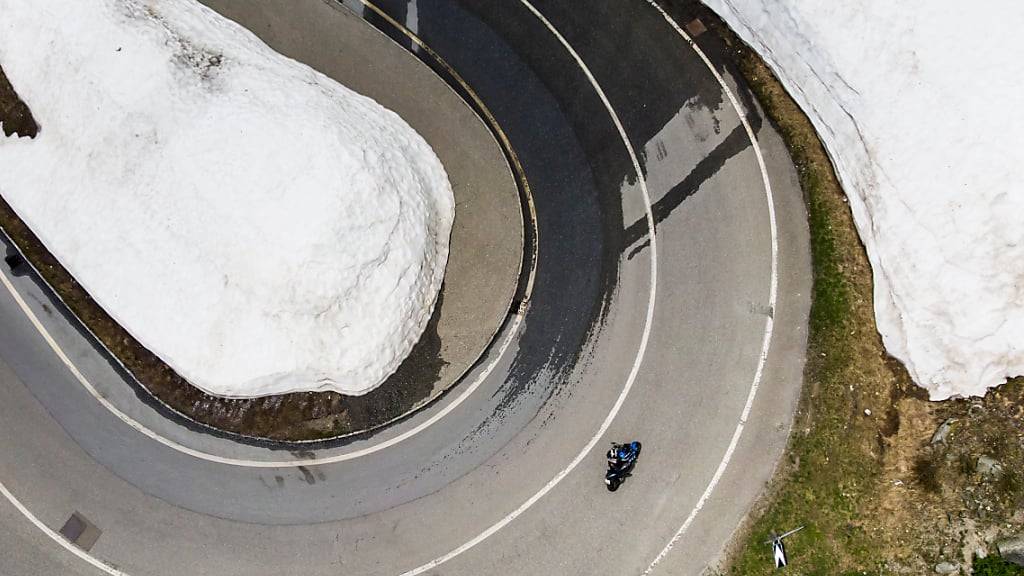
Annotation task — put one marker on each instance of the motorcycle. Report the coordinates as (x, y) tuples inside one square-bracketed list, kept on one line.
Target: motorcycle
[(621, 460)]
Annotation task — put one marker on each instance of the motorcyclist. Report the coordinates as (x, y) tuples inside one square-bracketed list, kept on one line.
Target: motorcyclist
[(619, 455), (621, 459)]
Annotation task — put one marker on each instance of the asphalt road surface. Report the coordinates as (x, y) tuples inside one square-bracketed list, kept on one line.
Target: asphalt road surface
[(689, 339)]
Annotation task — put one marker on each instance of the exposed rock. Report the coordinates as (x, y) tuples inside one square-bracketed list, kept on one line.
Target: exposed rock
[(947, 568), (1012, 549), (988, 466), (942, 432)]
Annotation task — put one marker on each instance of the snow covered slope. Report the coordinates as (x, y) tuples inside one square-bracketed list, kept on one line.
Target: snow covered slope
[(918, 104), (258, 226)]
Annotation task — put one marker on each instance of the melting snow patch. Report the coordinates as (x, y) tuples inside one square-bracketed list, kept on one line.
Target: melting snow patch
[(918, 105), (258, 226)]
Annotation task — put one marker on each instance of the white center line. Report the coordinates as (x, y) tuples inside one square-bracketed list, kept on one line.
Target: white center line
[(648, 321)]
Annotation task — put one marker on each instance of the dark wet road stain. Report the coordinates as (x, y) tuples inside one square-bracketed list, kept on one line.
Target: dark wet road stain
[(576, 264), (307, 475)]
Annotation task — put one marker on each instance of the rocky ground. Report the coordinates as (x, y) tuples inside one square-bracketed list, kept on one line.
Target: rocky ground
[(952, 487)]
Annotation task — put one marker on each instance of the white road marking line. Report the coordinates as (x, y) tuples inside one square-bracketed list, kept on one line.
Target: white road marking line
[(631, 379), (59, 352), (99, 564), (773, 291)]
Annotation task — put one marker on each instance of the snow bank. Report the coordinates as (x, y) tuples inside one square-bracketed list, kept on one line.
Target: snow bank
[(918, 105), (258, 226)]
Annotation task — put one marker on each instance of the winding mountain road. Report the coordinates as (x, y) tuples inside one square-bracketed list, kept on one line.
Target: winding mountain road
[(689, 338)]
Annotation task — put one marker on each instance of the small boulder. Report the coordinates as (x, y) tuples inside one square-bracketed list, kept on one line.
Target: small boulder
[(988, 466), (942, 432), (1012, 549), (946, 568)]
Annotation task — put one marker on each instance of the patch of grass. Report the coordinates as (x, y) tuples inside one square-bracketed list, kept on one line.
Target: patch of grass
[(837, 466), (995, 566)]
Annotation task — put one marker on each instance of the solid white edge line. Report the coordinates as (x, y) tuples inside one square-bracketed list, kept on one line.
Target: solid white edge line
[(82, 554), (59, 352), (248, 463), (773, 291), (649, 319)]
